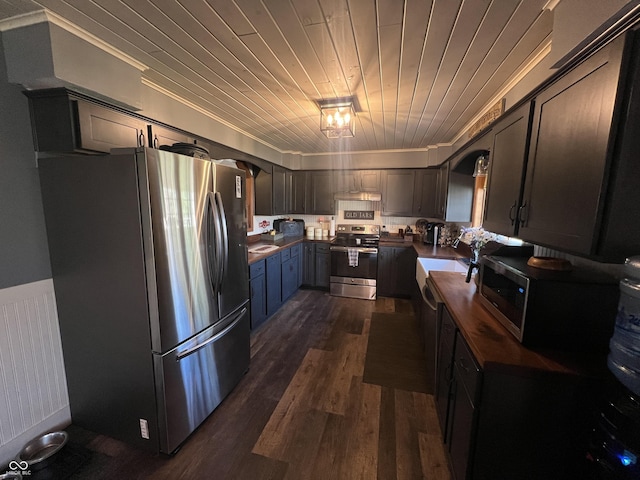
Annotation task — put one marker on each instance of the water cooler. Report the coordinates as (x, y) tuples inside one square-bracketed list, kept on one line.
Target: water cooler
[(614, 452)]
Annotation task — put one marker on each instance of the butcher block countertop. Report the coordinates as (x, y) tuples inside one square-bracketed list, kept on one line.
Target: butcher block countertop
[(281, 244), (494, 347), (437, 252)]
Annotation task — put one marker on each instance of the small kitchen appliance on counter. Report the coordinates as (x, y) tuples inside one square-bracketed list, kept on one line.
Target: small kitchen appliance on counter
[(566, 310), (354, 261), (290, 228), (432, 233)]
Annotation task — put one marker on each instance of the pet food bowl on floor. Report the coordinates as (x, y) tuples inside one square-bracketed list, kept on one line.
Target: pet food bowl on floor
[(42, 449)]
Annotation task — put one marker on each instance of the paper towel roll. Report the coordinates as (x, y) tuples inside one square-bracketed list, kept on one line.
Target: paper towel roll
[(332, 227)]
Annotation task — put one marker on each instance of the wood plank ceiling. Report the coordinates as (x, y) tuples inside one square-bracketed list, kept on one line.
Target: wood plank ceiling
[(419, 70)]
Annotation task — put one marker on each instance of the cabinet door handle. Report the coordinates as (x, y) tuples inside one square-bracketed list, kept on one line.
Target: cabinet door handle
[(463, 365), (447, 374), (512, 212), (521, 214), (453, 390)]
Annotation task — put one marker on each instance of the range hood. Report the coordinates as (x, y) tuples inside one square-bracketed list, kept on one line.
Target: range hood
[(368, 196)]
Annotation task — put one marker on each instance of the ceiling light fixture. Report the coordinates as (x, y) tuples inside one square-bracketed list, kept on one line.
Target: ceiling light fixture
[(337, 117)]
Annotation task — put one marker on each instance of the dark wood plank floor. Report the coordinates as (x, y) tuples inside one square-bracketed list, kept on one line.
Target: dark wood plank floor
[(301, 412)]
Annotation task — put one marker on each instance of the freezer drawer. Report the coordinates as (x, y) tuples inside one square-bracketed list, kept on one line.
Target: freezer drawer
[(195, 377)]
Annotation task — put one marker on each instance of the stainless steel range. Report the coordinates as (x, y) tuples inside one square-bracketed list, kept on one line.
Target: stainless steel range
[(354, 261)]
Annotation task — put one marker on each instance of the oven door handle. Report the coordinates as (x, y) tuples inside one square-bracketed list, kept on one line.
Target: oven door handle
[(359, 249)]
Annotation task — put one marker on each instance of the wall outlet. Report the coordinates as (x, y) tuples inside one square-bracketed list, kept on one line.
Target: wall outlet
[(144, 428)]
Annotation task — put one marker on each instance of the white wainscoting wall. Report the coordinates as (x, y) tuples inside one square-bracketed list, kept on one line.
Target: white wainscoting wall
[(33, 387)]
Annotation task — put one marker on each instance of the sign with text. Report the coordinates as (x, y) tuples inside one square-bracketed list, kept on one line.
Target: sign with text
[(358, 214)]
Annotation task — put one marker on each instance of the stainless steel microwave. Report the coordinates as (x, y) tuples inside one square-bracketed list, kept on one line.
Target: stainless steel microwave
[(565, 310)]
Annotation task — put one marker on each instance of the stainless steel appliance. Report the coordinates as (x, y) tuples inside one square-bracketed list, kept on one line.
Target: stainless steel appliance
[(354, 261), (149, 260), (430, 308), (430, 319), (569, 310)]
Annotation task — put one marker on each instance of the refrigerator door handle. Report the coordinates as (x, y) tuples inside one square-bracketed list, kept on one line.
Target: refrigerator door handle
[(218, 335), (212, 262), (219, 243), (223, 252)]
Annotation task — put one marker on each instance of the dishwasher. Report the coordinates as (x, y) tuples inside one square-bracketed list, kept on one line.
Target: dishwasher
[(430, 315)]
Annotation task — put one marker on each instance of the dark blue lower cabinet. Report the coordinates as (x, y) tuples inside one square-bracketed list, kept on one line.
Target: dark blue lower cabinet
[(258, 289), (309, 264), (273, 280), (316, 268), (322, 265), (274, 283), (296, 251), (258, 301), (395, 267), (289, 277)]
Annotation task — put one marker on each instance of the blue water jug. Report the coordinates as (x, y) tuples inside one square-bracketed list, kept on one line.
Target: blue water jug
[(624, 353)]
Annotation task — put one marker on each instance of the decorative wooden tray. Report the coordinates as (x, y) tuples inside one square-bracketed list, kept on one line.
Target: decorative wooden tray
[(265, 237), (550, 263)]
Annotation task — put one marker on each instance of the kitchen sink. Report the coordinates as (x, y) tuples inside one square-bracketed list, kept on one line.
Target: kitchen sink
[(263, 249), (425, 265)]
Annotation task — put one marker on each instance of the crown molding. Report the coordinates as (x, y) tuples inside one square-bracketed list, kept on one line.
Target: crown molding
[(551, 4), (168, 93), (542, 51), (41, 16)]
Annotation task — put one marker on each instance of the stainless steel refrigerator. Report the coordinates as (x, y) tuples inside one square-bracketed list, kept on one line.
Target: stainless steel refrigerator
[(149, 260)]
